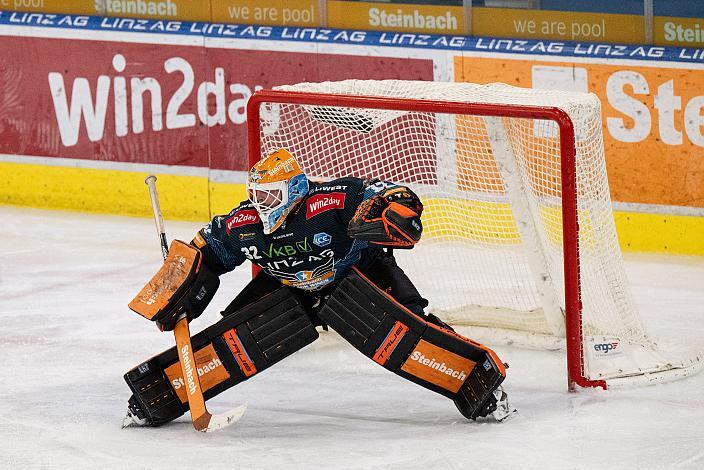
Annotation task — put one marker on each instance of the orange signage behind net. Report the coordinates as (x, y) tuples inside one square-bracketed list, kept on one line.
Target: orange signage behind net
[(653, 119)]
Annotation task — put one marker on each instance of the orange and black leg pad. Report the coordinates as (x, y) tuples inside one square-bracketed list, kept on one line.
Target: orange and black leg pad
[(232, 350), (404, 343)]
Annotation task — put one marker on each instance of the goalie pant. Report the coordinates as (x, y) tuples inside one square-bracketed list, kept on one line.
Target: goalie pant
[(280, 323)]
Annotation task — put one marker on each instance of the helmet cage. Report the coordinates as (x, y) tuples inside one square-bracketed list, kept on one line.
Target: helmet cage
[(268, 196), (273, 201)]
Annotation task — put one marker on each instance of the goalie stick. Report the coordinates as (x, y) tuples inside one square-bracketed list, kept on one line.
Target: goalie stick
[(202, 419)]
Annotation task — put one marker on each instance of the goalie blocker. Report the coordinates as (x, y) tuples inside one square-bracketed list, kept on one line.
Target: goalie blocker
[(183, 286), (402, 342)]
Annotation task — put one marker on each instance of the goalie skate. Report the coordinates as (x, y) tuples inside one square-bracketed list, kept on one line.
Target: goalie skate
[(496, 406), (132, 419), (503, 408)]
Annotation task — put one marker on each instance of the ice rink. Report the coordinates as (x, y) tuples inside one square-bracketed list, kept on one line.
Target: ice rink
[(68, 337)]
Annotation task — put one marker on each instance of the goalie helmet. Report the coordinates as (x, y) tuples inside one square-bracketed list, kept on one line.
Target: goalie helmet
[(274, 186)]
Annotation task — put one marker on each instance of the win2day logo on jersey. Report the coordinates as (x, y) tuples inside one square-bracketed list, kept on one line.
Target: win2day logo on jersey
[(240, 218), (324, 202)]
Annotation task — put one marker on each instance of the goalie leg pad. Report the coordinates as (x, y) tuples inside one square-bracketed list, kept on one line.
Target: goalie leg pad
[(404, 343), (227, 353)]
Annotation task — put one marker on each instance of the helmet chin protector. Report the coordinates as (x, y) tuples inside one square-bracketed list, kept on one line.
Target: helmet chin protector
[(274, 186)]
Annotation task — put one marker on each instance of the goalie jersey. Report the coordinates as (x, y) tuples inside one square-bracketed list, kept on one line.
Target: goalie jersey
[(311, 250)]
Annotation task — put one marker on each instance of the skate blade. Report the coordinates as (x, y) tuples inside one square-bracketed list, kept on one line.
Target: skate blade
[(131, 420), (503, 413)]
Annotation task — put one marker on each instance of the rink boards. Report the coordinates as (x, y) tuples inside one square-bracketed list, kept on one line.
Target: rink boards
[(93, 105)]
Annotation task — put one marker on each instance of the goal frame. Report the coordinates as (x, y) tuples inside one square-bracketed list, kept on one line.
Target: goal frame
[(568, 175)]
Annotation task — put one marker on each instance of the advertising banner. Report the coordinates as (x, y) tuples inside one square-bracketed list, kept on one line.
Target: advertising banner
[(101, 100), (192, 10), (668, 30), (79, 7), (559, 25), (267, 12), (154, 103), (686, 32), (652, 117), (396, 17)]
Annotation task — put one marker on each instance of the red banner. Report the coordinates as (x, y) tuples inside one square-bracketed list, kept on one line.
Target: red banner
[(152, 103)]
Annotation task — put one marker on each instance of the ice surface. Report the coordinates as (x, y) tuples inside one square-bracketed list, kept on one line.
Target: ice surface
[(67, 337)]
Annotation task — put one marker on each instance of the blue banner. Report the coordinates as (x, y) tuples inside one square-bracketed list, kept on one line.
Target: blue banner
[(367, 38)]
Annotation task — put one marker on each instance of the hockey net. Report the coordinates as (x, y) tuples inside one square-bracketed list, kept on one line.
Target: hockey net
[(519, 237)]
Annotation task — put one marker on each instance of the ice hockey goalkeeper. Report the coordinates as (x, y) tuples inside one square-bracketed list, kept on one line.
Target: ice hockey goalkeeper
[(324, 258)]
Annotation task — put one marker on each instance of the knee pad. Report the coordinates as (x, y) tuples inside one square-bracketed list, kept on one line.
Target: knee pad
[(406, 344), (227, 353)]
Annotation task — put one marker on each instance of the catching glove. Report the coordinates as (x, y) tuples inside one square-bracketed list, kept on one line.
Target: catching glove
[(390, 218)]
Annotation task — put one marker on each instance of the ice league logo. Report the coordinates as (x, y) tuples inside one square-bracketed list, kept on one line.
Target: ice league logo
[(321, 239)]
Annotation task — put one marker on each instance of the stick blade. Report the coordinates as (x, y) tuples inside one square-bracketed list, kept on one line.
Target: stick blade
[(221, 420)]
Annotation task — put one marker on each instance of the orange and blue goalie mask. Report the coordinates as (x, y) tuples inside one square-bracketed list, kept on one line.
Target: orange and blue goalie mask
[(274, 186)]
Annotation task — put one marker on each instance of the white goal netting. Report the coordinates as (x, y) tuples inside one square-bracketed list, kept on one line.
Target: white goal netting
[(492, 250)]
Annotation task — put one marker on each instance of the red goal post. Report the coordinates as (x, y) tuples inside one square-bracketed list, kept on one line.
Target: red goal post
[(570, 218)]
